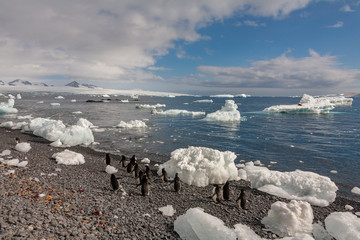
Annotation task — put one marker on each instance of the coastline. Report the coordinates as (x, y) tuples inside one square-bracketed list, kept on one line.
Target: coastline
[(80, 203)]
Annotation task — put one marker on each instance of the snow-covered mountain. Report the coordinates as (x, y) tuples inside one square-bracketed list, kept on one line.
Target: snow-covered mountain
[(2, 82), (19, 82), (76, 84)]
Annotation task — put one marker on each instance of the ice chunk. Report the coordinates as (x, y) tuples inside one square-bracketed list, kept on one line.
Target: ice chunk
[(201, 166), (56, 143), (167, 210), (59, 97), (110, 169), (299, 185), (289, 219), (343, 226), (204, 101), (132, 124), (8, 107), (11, 162), (105, 96), (145, 160), (242, 174), (222, 96), (349, 207), (24, 117), (147, 106), (22, 164), (196, 224), (73, 100), (18, 96), (178, 112), (320, 233), (8, 124), (77, 112), (244, 232), (227, 113), (68, 157), (5, 152), (356, 190), (55, 104), (23, 147)]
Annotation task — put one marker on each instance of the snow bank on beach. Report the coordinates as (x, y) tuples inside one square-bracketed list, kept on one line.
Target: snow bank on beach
[(201, 166), (299, 185), (227, 113), (54, 130)]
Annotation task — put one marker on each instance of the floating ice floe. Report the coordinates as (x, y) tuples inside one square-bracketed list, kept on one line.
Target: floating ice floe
[(204, 101), (337, 100), (110, 169), (201, 166), (299, 185), (168, 210), (23, 147), (68, 157), (132, 124), (24, 117), (343, 226), (243, 95), (8, 107), (124, 100), (307, 104), (147, 106), (55, 104), (227, 113), (18, 96), (105, 96), (177, 112), (356, 190), (59, 97), (222, 96), (289, 219), (73, 100), (54, 130)]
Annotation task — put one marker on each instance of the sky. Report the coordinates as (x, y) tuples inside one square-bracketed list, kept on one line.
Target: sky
[(257, 47)]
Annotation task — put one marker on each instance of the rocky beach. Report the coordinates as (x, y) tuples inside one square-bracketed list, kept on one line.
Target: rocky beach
[(46, 200)]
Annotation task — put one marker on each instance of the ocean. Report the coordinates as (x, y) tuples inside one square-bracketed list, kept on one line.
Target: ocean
[(327, 144)]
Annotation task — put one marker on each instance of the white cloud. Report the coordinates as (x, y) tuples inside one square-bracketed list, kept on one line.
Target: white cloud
[(110, 40), (346, 8), (339, 24), (249, 23), (284, 72)]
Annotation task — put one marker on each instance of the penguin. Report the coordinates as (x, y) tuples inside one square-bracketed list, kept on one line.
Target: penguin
[(241, 201), (130, 167), (177, 183), (123, 161), (144, 186), (164, 176), (136, 170), (148, 172), (107, 159), (17, 140), (217, 194), (141, 174), (114, 182), (226, 191), (133, 159)]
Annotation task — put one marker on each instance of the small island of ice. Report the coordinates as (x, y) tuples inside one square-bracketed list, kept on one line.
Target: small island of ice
[(8, 107), (227, 113), (68, 157), (177, 112), (299, 185), (201, 166), (147, 106)]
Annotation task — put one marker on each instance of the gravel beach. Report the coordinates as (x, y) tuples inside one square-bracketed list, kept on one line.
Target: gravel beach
[(47, 200)]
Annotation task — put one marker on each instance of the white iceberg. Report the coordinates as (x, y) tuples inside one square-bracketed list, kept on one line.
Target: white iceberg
[(168, 210), (307, 104), (299, 185), (132, 124), (343, 226), (204, 101), (147, 106), (8, 107), (201, 166), (196, 224), (68, 157), (177, 112), (23, 147), (222, 96), (227, 113), (289, 219), (53, 130)]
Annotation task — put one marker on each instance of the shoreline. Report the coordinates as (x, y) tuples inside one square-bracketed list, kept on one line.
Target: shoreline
[(79, 201)]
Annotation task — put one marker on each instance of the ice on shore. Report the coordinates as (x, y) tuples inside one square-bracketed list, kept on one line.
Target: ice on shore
[(132, 124), (343, 226), (6, 152), (244, 232), (307, 104), (168, 210), (23, 147), (14, 162), (289, 219), (201, 166), (177, 112), (110, 169), (147, 106), (355, 190), (54, 130), (196, 224), (299, 185), (145, 160), (204, 101), (68, 157), (227, 113), (8, 107)]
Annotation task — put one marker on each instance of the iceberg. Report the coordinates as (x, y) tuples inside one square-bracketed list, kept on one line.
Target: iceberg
[(201, 166), (54, 130), (8, 107), (289, 219), (307, 104), (227, 113), (177, 112), (222, 96), (147, 106), (298, 185), (132, 124), (343, 225), (204, 101), (68, 157)]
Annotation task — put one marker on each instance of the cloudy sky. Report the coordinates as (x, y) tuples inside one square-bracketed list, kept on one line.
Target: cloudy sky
[(258, 47)]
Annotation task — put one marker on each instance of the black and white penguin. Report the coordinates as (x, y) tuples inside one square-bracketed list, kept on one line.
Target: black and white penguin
[(177, 183), (241, 201), (107, 159), (217, 193), (164, 175), (114, 182), (226, 191)]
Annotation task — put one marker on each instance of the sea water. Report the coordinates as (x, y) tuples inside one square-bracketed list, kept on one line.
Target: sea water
[(319, 143)]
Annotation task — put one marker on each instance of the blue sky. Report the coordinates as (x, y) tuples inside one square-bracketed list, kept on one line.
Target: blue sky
[(258, 47)]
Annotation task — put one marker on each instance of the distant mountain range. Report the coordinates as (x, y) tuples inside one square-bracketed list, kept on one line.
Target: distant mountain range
[(19, 82)]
